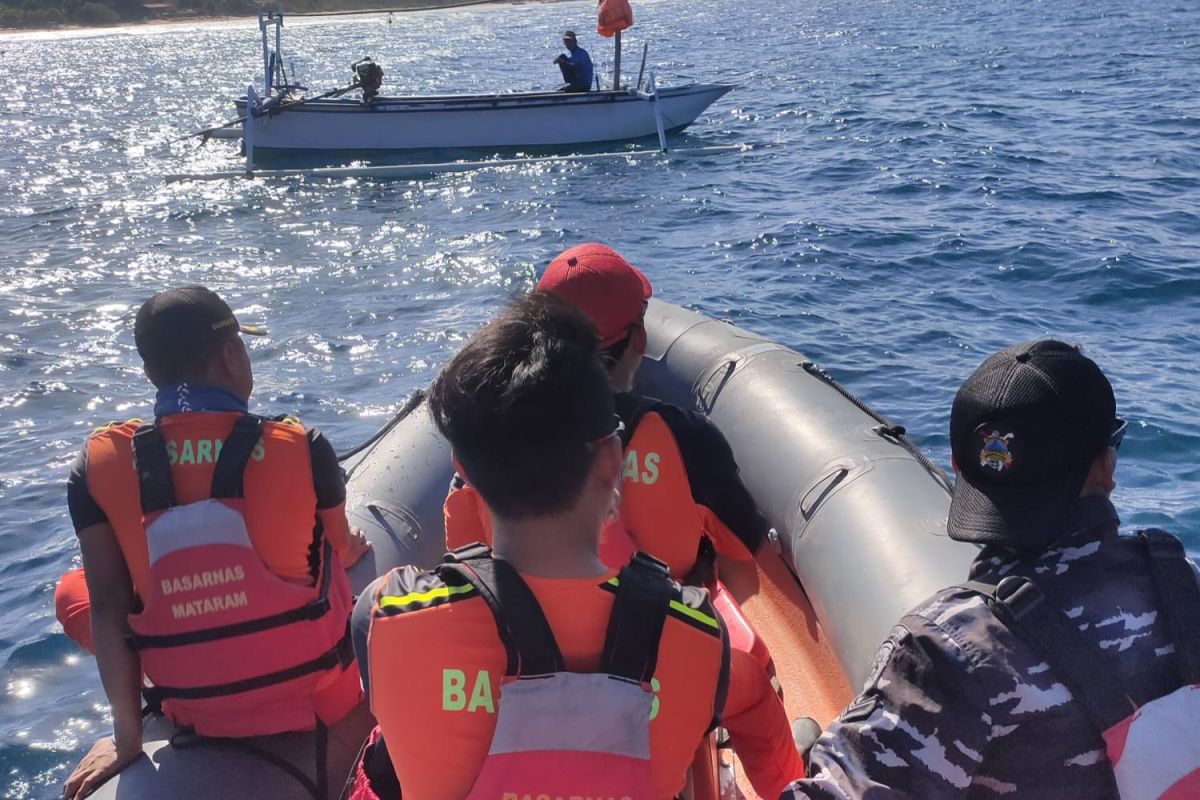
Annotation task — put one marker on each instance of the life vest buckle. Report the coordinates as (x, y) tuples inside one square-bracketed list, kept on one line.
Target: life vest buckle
[(468, 552), (1019, 595), (645, 561)]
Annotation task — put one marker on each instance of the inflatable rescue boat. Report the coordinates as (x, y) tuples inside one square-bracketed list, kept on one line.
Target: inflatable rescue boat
[(859, 537)]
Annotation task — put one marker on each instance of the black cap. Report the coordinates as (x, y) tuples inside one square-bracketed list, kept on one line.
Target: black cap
[(175, 324), (568, 34), (1024, 430)]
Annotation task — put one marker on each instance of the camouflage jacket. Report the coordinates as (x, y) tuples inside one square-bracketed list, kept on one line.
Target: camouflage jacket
[(956, 706)]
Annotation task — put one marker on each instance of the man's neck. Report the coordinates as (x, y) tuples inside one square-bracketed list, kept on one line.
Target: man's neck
[(187, 397), (555, 546)]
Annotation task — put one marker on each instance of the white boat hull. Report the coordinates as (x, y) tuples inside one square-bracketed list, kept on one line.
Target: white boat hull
[(478, 121)]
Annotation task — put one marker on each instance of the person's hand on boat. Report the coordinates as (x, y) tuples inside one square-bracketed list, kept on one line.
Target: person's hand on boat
[(104, 760), (359, 547)]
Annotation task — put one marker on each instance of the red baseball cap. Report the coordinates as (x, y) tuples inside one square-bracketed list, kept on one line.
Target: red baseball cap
[(610, 291)]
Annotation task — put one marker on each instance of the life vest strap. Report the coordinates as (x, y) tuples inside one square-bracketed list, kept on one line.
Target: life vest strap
[(643, 597), (153, 467), (312, 610), (722, 693), (230, 470), (341, 654), (1085, 670), (1179, 593), (528, 640)]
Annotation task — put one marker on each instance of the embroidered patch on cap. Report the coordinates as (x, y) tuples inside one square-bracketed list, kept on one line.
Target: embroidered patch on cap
[(995, 453)]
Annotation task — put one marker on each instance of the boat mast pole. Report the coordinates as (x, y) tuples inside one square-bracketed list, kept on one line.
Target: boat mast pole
[(262, 29), (278, 52), (617, 63)]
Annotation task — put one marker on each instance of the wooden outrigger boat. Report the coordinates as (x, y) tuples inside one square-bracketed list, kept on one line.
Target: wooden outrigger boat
[(281, 118)]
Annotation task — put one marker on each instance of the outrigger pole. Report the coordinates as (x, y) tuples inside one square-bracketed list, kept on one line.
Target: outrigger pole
[(426, 171), (650, 95), (248, 127)]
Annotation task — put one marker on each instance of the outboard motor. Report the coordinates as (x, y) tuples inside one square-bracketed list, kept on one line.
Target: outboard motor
[(368, 76)]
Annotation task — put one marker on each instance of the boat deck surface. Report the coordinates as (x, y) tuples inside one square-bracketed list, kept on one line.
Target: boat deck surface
[(805, 665)]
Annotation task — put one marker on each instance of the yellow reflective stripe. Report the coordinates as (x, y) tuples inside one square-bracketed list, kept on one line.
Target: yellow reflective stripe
[(686, 610), (699, 616), (439, 593), (115, 424)]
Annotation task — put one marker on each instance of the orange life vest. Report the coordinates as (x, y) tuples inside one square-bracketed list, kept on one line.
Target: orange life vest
[(657, 507), (231, 648), (445, 649)]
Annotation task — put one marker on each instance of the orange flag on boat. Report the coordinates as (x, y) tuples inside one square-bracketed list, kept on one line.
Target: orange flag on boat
[(615, 15)]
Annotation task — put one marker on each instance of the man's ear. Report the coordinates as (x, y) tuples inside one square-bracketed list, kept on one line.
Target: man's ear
[(637, 340), (231, 353), (458, 467), (609, 458), (1100, 478), (225, 364)]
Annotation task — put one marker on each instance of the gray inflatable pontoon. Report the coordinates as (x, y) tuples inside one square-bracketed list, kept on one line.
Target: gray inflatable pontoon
[(860, 516)]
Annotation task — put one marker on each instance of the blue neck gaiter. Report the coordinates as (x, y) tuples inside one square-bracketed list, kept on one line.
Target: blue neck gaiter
[(179, 398)]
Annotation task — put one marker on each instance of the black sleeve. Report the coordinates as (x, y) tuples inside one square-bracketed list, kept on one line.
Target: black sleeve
[(85, 511), (713, 473), (328, 482), (360, 627)]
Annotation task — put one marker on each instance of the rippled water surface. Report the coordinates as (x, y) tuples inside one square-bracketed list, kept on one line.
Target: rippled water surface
[(929, 181)]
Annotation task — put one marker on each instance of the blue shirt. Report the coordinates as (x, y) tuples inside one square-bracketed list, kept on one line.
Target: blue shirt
[(582, 62)]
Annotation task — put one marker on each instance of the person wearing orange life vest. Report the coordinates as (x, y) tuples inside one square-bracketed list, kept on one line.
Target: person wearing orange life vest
[(490, 675), (214, 545), (680, 483)]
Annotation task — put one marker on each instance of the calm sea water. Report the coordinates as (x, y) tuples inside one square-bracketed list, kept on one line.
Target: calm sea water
[(929, 181)]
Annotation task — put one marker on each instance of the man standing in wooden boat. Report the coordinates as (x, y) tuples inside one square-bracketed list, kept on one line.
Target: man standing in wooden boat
[(1068, 666), (214, 543), (575, 64)]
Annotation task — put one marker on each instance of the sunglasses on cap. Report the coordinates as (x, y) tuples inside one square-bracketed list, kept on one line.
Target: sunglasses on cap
[(1118, 433)]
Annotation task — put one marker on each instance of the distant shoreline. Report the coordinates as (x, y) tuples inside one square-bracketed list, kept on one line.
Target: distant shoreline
[(183, 20)]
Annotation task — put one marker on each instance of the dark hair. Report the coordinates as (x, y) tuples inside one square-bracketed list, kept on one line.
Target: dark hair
[(521, 404), (191, 367)]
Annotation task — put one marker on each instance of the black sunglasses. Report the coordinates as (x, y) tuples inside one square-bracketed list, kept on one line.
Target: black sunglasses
[(1118, 433)]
